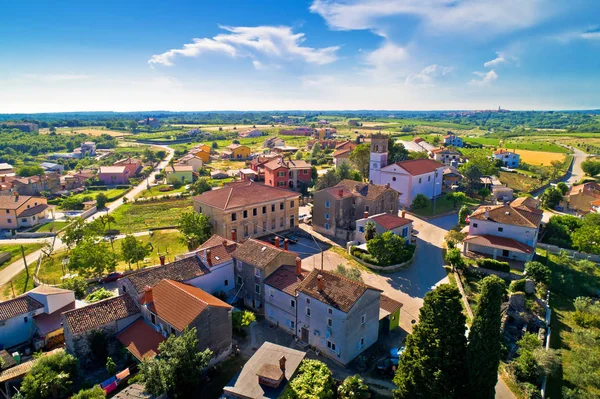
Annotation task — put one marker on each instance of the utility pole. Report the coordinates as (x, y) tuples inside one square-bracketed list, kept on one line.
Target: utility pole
[(322, 255), (24, 261)]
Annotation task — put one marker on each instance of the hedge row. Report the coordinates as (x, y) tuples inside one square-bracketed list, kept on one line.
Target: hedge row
[(493, 264)]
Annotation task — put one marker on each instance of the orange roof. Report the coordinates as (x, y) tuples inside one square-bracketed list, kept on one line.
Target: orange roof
[(418, 166), (141, 340), (390, 222), (180, 304), (595, 203), (489, 240), (243, 194)]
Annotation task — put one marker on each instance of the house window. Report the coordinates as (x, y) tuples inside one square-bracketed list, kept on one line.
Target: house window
[(152, 319), (292, 303), (226, 283), (271, 292), (308, 312), (500, 229), (292, 324), (326, 216), (363, 319), (394, 178), (428, 178), (254, 212), (281, 206), (255, 229), (475, 225), (281, 222), (245, 214), (419, 180), (326, 226), (281, 174), (25, 319), (361, 343), (329, 322), (124, 289), (273, 224), (329, 311), (233, 217), (240, 280), (361, 229), (172, 330), (264, 210), (200, 209), (246, 231), (331, 346), (291, 204), (305, 171), (256, 272), (308, 300), (367, 208), (326, 205), (272, 207), (9, 220), (23, 220), (264, 226), (257, 288), (281, 184)]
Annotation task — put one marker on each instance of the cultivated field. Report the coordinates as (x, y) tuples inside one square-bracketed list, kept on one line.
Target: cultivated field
[(540, 158), (95, 131)]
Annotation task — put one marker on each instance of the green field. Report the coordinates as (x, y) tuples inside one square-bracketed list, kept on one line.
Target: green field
[(15, 251), (531, 143), (143, 215), (443, 205), (21, 283), (155, 191), (49, 227)]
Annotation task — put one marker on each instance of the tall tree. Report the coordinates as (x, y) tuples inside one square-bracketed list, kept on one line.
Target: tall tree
[(485, 340), (92, 257), (200, 186), (361, 157), (177, 372), (433, 364), (74, 232), (396, 151), (51, 377), (134, 250), (195, 227)]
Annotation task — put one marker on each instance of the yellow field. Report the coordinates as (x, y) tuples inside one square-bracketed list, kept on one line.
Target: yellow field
[(539, 157), (88, 131)]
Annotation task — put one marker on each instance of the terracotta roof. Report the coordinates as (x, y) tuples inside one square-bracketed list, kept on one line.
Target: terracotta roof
[(390, 222), (338, 292), (345, 144), (34, 210), (507, 214), (528, 202), (488, 240), (595, 202), (141, 340), (285, 279), (354, 188), (504, 151), (180, 270), (288, 164), (388, 304), (180, 168), (258, 253), (100, 313), (18, 306), (418, 139), (180, 304), (240, 194), (270, 371), (233, 146), (112, 169), (13, 201), (341, 151), (417, 167), (218, 254), (444, 150), (48, 322), (590, 186), (216, 240)]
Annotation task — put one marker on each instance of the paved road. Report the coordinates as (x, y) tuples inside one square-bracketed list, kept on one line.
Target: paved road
[(576, 173), (11, 270)]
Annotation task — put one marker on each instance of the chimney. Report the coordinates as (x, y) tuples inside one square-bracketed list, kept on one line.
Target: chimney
[(208, 258), (341, 192), (365, 215), (148, 297), (487, 212), (277, 241), (282, 360), (286, 244), (403, 212), (320, 282), (162, 260), (387, 185), (298, 266), (225, 243), (234, 235)]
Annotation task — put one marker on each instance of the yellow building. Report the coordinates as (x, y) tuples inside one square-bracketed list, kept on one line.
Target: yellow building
[(237, 151), (202, 154)]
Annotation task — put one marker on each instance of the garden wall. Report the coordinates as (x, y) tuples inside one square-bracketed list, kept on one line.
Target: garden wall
[(553, 249)]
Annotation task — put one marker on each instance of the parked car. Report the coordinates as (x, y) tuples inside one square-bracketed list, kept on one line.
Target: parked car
[(114, 276)]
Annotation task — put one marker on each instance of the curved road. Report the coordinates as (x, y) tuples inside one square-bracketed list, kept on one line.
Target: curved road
[(574, 174), (11, 270)]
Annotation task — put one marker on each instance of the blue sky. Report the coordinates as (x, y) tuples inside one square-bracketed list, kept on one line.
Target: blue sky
[(322, 54)]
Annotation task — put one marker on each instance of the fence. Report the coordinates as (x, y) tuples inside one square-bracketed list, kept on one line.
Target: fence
[(553, 249)]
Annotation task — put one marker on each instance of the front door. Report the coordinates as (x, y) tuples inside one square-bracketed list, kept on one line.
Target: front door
[(304, 335), (292, 222)]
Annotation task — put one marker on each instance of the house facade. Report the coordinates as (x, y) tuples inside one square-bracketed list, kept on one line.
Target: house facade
[(272, 142), (580, 197), (452, 140), (251, 209), (183, 173), (236, 151), (508, 159), (251, 133), (292, 174), (113, 175), (18, 211), (132, 165), (399, 225), (6, 169), (445, 155), (336, 209), (281, 304), (191, 160)]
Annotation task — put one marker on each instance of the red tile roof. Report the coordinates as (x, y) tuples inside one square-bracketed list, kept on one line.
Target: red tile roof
[(417, 167), (259, 253), (390, 222), (18, 306), (507, 214), (352, 188), (180, 304), (13, 201), (488, 240), (285, 279), (48, 322), (180, 270), (243, 194), (100, 313), (141, 340), (388, 304)]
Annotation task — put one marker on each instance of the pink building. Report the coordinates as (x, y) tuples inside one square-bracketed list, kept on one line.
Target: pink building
[(132, 165), (112, 175)]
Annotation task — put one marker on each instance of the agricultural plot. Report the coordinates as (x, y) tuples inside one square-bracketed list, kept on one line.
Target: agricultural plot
[(540, 158), (143, 215)]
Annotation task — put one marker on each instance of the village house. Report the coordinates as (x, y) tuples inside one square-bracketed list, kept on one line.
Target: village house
[(113, 175), (18, 211), (250, 133), (254, 262), (202, 151), (87, 148), (507, 231), (132, 165), (152, 123), (236, 152), (266, 374), (183, 173), (452, 140), (292, 174), (274, 141), (141, 339), (399, 225), (248, 174), (580, 197), (342, 153), (337, 208), (446, 156), (258, 164), (324, 133), (508, 159), (251, 209), (35, 185), (50, 167), (6, 169), (191, 160), (298, 131), (285, 150)]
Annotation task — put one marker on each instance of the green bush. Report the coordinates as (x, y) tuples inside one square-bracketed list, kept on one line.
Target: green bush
[(493, 264), (420, 202), (517, 285)]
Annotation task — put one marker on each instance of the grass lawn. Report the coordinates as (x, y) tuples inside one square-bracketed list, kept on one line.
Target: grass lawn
[(112, 194), (155, 191), (140, 216), (443, 205), (15, 251), (21, 283), (51, 226)]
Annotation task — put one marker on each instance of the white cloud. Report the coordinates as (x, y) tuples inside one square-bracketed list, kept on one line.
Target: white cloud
[(428, 74), (485, 16), (386, 58), (271, 41), (503, 57), (495, 62), (589, 34), (485, 78)]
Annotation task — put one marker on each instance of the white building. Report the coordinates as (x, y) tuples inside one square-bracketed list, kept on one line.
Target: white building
[(509, 159), (445, 155), (191, 160), (453, 140), (509, 231), (398, 225)]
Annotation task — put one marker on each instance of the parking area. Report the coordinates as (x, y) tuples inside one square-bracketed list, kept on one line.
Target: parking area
[(301, 242)]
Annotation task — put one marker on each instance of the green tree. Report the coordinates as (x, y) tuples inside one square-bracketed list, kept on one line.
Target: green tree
[(529, 342), (387, 248), (370, 230), (149, 155), (485, 340), (51, 377), (316, 151), (92, 393), (539, 272), (98, 295), (526, 368), (313, 380), (353, 387), (111, 367), (396, 151), (418, 155), (175, 182), (484, 192), (420, 202), (454, 258), (134, 250), (241, 319), (92, 258), (587, 239), (456, 197), (555, 169), (195, 228), (433, 364), (30, 170), (591, 167), (101, 200), (564, 189), (350, 272), (74, 232), (361, 157), (462, 214), (177, 371), (326, 180), (551, 197), (76, 284)]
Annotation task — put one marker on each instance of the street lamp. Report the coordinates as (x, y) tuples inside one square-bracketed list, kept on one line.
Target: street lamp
[(434, 196)]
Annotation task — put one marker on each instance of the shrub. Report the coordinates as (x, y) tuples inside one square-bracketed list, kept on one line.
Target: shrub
[(349, 272), (92, 393), (493, 264), (526, 368), (539, 272), (420, 201), (313, 381), (241, 319), (98, 295), (77, 284), (517, 285)]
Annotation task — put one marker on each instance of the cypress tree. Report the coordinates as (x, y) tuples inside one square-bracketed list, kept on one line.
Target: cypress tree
[(433, 364), (485, 340)]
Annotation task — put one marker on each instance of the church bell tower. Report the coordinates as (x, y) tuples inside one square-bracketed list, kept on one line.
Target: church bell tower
[(379, 156)]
